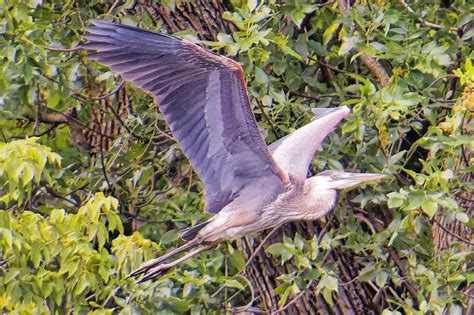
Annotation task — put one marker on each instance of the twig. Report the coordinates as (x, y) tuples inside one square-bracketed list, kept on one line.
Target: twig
[(48, 130), (113, 7), (326, 256), (241, 309), (295, 299), (102, 162), (364, 219), (84, 185), (350, 281), (98, 98), (451, 233), (397, 297), (463, 149), (60, 49), (82, 97), (138, 218), (155, 194), (269, 121), (329, 66), (260, 246), (464, 198), (411, 287), (54, 194), (427, 23), (323, 231), (324, 96), (413, 151), (436, 80), (117, 116), (163, 133)]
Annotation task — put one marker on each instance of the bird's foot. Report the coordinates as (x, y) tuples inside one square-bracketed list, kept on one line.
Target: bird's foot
[(155, 268), (154, 273), (146, 267)]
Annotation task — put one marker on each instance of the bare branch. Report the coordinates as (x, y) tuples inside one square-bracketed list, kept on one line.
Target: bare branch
[(451, 233), (61, 49)]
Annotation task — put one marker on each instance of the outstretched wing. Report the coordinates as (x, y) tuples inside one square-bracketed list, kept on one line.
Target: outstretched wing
[(203, 99), (294, 152)]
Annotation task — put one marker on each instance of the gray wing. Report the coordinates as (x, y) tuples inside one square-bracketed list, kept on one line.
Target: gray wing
[(203, 99), (294, 152)]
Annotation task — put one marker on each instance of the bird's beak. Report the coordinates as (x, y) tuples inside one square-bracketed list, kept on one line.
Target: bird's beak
[(346, 180)]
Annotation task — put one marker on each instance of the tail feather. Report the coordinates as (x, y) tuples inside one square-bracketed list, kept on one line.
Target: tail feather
[(190, 233)]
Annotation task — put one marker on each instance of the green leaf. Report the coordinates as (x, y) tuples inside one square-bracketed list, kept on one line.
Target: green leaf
[(260, 76), (11, 275), (27, 175), (7, 236), (462, 217), (187, 289), (329, 32), (232, 283), (429, 207), (169, 237), (81, 285), (347, 45), (279, 250), (395, 200), (53, 100), (237, 260)]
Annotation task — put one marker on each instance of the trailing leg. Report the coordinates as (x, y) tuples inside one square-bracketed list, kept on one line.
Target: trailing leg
[(155, 262), (163, 268)]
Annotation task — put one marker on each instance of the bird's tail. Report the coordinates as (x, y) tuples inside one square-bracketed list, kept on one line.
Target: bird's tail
[(189, 233)]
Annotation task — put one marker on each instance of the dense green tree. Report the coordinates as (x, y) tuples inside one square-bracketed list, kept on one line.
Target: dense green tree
[(92, 183)]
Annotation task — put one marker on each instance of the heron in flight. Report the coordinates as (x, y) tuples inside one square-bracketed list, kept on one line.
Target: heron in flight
[(248, 186)]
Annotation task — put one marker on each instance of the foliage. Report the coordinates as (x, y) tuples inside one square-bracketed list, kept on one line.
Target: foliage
[(22, 162), (66, 247)]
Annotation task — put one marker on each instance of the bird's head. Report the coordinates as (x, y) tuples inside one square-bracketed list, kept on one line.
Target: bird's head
[(337, 180), (321, 190)]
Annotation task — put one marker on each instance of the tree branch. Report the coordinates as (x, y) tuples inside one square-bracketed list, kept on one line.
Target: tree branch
[(451, 233), (427, 23), (374, 66)]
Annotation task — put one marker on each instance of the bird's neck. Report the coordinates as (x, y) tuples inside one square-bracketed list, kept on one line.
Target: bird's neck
[(319, 202)]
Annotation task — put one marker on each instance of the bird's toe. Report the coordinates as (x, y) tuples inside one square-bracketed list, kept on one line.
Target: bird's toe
[(145, 267), (154, 273)]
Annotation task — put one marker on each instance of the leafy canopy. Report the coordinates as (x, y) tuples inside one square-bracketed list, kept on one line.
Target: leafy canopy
[(75, 219)]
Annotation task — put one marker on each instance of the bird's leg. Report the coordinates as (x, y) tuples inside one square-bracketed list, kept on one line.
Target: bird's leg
[(155, 262), (161, 269)]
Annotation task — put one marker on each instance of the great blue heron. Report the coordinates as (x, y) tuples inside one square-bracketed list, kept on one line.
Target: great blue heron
[(202, 96)]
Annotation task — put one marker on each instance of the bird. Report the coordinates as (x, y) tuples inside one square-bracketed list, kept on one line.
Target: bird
[(248, 186)]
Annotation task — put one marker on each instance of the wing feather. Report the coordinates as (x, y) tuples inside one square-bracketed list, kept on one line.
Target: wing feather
[(294, 152), (203, 99)]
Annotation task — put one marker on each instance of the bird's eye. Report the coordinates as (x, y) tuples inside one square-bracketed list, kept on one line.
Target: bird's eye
[(333, 176)]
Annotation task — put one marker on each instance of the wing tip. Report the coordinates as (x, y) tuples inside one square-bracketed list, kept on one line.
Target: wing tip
[(102, 23), (345, 108), (342, 111)]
